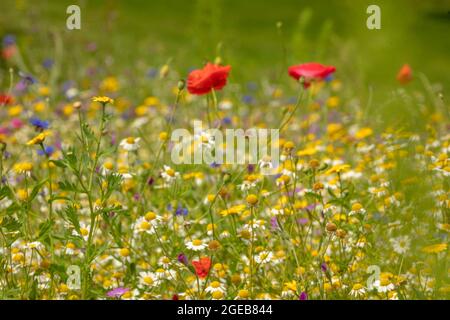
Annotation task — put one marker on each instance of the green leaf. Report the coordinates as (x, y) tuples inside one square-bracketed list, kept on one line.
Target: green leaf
[(35, 190)]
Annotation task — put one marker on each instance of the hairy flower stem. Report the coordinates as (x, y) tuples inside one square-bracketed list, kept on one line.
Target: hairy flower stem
[(91, 205)]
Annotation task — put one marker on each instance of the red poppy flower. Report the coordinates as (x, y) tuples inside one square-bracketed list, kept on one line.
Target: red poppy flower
[(202, 267), (8, 52), (6, 99), (310, 71), (212, 76), (405, 74)]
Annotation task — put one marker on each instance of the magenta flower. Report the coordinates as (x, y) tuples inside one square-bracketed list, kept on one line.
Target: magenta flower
[(117, 292)]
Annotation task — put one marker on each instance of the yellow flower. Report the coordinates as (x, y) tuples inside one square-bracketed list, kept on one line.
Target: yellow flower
[(14, 111), (23, 167), (22, 194), (37, 140), (109, 84), (103, 99), (435, 248), (363, 133), (338, 169)]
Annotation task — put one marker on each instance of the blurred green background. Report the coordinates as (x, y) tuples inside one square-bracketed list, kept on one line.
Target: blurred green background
[(138, 34)]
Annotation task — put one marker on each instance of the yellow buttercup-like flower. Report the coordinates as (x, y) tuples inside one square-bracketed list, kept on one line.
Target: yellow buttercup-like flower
[(338, 168), (435, 248), (37, 140), (103, 99)]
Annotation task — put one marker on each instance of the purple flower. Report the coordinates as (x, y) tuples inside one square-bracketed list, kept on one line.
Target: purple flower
[(274, 223), (48, 63), (214, 165), (303, 296), (9, 40), (40, 124), (302, 221), (117, 292), (182, 259), (181, 211), (48, 151), (324, 267)]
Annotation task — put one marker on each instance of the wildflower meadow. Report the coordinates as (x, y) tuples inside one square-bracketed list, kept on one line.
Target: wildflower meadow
[(171, 150)]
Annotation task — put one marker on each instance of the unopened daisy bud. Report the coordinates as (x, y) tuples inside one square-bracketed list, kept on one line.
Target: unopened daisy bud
[(314, 163), (45, 264), (163, 136), (279, 24), (214, 245), (236, 278), (318, 186), (77, 105), (331, 227), (252, 199), (226, 177), (341, 233), (181, 84), (218, 61)]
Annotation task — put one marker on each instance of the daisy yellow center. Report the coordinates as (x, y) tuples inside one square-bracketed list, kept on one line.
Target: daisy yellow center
[(108, 165), (84, 232), (215, 284), (165, 260), (150, 216), (70, 245), (131, 140), (357, 286), (145, 225), (170, 172), (384, 281), (243, 293), (148, 280), (217, 295), (124, 252), (197, 242), (127, 295), (356, 207)]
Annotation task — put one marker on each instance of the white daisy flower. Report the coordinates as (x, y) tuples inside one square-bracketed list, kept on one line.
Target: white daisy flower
[(148, 280), (401, 244), (358, 291), (215, 286), (196, 245), (169, 175), (130, 144), (263, 257)]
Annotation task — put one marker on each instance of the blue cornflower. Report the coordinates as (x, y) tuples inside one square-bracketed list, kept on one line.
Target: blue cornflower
[(9, 40), (48, 63), (48, 150), (226, 120), (40, 124), (248, 99), (181, 211)]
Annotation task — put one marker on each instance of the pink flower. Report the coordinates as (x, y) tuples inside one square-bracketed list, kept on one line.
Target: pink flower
[(117, 292), (16, 123)]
